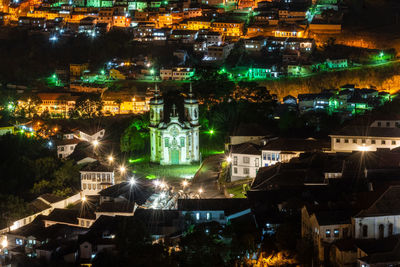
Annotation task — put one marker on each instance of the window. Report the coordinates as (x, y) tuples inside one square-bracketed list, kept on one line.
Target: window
[(373, 142), (246, 160), (393, 142), (235, 160), (354, 141), (383, 142), (269, 156), (182, 141), (346, 140), (381, 231), (328, 232), (257, 163), (387, 124), (18, 241), (337, 140), (345, 232), (246, 171), (82, 223), (83, 186), (208, 216), (379, 124), (166, 141), (235, 170), (365, 231), (363, 141), (87, 223), (264, 156), (390, 229), (89, 186), (197, 215), (336, 233), (273, 156)]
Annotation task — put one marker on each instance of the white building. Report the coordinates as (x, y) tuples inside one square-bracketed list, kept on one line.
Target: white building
[(381, 219), (96, 177), (218, 210), (284, 149), (378, 134), (245, 161), (218, 52), (90, 135), (174, 142)]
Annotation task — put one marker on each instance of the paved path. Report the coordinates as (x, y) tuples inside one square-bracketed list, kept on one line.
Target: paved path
[(206, 177)]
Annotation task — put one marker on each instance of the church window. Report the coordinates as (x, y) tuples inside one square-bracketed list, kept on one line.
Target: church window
[(182, 141), (166, 141)]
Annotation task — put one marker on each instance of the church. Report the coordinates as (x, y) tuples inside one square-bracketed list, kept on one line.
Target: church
[(174, 142)]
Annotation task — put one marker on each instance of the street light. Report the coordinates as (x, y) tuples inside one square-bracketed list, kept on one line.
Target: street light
[(229, 159), (156, 183), (110, 158), (200, 190), (83, 198), (95, 143), (122, 169), (132, 181), (185, 183), (4, 243)]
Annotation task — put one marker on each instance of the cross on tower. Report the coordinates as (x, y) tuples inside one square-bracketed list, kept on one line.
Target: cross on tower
[(173, 110)]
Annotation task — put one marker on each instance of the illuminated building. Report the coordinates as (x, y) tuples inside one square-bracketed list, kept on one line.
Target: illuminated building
[(246, 160), (381, 133), (4, 18), (76, 70), (174, 142), (218, 52), (199, 23), (121, 21), (106, 15), (96, 177), (254, 44), (228, 28), (176, 74), (289, 31), (6, 128), (124, 103), (336, 63)]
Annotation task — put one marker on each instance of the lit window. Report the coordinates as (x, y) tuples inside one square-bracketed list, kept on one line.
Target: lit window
[(328, 233), (208, 216), (197, 216), (336, 233)]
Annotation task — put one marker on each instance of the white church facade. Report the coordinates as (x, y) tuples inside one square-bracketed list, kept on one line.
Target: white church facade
[(174, 142)]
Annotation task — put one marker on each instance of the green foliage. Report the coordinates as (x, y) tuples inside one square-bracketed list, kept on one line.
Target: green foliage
[(89, 105), (210, 84), (135, 138), (11, 209)]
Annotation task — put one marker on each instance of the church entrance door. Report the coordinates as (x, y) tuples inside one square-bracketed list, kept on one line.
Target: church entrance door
[(175, 156)]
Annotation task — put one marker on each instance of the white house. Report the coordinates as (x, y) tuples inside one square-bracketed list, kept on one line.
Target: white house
[(90, 135), (284, 149), (96, 177), (378, 134), (245, 161), (176, 74), (65, 147), (381, 219), (218, 210)]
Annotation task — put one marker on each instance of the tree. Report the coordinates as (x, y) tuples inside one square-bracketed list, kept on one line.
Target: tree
[(12, 208), (89, 105)]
